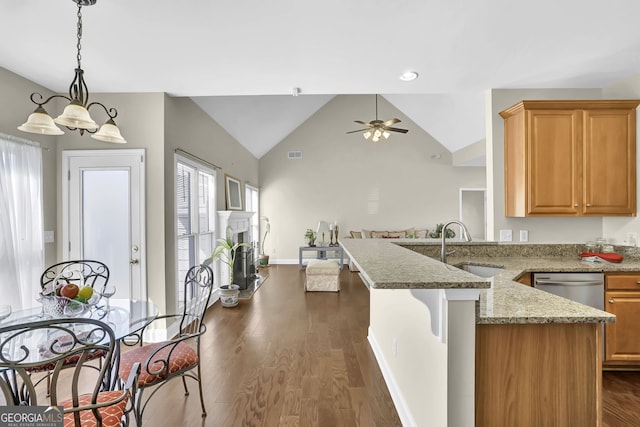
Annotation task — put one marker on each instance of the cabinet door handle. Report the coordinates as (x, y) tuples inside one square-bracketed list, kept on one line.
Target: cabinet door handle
[(638, 283), (576, 205), (612, 301), (588, 205)]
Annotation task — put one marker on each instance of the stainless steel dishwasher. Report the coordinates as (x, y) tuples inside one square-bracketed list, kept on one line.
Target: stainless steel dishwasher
[(585, 288)]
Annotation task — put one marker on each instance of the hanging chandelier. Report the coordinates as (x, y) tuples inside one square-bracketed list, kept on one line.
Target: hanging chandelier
[(76, 114)]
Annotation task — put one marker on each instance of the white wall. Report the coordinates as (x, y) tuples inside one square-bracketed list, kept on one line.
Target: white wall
[(385, 186), (541, 230), (419, 366), (616, 228)]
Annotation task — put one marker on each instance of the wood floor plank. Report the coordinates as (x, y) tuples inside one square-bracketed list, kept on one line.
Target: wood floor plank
[(285, 357)]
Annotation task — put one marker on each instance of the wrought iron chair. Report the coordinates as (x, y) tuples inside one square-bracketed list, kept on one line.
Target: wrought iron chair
[(55, 343), (81, 272), (178, 357)]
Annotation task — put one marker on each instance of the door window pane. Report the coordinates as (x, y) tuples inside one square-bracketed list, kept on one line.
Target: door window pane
[(105, 210)]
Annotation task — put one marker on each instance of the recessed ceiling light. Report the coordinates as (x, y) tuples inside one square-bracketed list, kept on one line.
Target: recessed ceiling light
[(408, 76)]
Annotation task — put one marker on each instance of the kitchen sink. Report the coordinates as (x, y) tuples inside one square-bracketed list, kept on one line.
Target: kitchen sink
[(481, 270)]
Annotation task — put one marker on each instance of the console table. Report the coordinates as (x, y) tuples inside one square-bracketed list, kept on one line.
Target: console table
[(321, 253)]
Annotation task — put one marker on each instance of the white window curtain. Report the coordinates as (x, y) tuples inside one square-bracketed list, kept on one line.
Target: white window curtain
[(21, 223)]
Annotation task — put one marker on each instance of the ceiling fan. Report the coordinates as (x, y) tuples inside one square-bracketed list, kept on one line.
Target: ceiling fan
[(378, 128)]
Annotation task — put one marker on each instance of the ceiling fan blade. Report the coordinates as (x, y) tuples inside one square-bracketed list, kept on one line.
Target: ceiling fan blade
[(397, 130), (391, 122), (359, 130), (362, 123)]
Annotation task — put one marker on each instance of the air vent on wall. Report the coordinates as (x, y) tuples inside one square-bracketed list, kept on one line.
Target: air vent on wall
[(294, 154)]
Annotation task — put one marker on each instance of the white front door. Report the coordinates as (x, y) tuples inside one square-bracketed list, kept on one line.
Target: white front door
[(103, 214)]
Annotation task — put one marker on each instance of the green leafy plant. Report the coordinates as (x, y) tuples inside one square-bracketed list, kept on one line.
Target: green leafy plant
[(226, 251), (310, 235), (438, 233), (267, 229)]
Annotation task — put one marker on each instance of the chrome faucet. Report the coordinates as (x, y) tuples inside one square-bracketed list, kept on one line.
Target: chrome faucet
[(465, 235)]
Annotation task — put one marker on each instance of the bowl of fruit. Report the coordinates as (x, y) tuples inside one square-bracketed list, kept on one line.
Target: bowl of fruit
[(67, 299)]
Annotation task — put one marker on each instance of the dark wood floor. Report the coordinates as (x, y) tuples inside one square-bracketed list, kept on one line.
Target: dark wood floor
[(290, 358), (621, 399), (285, 358)]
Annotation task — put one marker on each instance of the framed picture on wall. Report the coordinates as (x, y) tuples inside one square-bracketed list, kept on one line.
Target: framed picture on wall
[(233, 193)]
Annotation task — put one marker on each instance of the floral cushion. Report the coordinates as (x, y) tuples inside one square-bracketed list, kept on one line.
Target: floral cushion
[(111, 415), (183, 358)]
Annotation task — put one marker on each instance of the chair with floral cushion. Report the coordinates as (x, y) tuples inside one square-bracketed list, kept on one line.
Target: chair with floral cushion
[(179, 357), (76, 387)]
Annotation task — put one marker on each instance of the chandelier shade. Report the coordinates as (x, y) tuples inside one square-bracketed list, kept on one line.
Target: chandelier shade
[(76, 114), (109, 132), (40, 122)]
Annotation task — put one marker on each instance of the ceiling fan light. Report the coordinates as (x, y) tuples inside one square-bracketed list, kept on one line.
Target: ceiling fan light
[(386, 134), (367, 134), (377, 134), (109, 132), (76, 116), (40, 122), (375, 138)]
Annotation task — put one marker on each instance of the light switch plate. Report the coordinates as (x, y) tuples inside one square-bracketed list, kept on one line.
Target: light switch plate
[(524, 235), (506, 235), (49, 236)]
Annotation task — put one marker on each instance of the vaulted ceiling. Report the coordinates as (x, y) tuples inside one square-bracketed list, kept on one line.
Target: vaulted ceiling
[(240, 60)]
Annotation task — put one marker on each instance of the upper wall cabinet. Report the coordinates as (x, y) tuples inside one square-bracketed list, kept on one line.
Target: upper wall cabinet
[(570, 158)]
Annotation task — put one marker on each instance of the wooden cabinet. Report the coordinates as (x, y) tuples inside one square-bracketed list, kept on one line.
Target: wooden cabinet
[(525, 279), (570, 158), (622, 338)]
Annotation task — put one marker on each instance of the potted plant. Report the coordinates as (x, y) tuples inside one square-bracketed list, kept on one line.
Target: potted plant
[(226, 251), (438, 233), (264, 258), (310, 235)]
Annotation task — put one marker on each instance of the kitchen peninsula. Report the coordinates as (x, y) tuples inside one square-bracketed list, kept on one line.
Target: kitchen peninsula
[(459, 350)]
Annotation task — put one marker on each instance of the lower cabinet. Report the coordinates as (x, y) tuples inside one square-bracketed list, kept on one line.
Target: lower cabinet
[(622, 298), (544, 374)]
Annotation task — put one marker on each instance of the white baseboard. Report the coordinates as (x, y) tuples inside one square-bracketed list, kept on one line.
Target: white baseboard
[(396, 394)]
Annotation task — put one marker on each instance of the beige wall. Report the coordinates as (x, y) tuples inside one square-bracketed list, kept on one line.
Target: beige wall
[(189, 128), (152, 121), (359, 184), (547, 230), (419, 364)]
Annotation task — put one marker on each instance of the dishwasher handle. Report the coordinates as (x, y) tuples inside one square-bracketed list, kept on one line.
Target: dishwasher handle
[(568, 283)]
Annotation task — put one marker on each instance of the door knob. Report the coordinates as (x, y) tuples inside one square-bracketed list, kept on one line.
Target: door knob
[(134, 261), (612, 301)]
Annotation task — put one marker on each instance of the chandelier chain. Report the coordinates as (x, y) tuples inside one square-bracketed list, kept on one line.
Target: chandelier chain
[(79, 56)]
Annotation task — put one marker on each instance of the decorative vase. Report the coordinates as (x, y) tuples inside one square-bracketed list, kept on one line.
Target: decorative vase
[(229, 295), (264, 260)]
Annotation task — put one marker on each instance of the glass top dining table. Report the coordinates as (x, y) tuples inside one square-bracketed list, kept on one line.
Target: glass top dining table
[(125, 317)]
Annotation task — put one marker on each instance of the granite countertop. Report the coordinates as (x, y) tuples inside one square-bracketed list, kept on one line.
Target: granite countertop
[(387, 265)]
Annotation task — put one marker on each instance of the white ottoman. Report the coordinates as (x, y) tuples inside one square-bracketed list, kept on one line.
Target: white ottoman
[(322, 275)]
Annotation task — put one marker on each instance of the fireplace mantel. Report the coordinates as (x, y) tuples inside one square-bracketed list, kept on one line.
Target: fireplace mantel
[(239, 221)]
